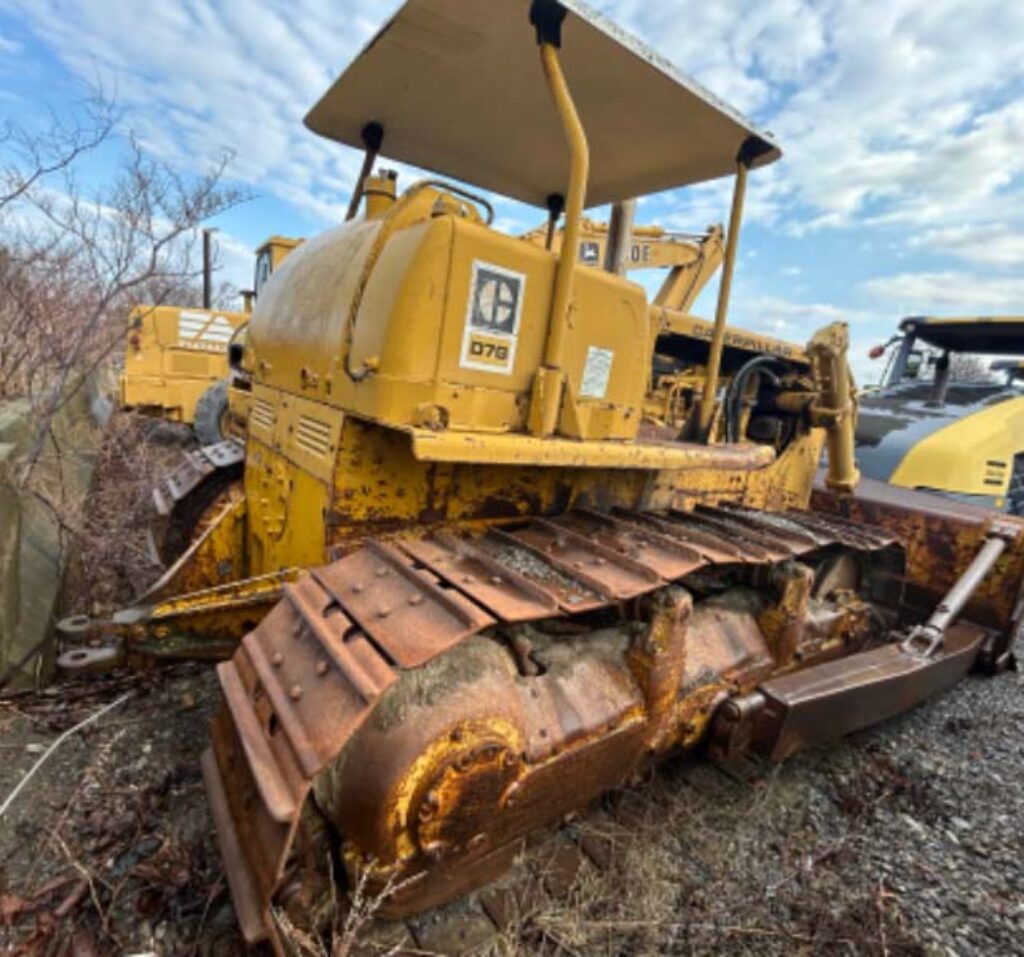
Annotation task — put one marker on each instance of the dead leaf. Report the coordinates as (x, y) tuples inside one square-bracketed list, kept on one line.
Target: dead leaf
[(11, 906), (83, 944)]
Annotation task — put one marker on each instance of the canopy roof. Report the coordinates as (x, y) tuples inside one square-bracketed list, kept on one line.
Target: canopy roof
[(458, 87), (991, 335)]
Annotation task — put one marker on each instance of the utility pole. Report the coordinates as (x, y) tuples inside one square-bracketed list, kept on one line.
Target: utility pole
[(208, 268)]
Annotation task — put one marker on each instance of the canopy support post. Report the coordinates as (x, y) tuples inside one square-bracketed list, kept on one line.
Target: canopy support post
[(753, 147), (549, 382), (706, 410)]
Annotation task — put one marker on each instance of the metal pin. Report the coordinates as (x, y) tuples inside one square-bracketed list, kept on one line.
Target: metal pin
[(321, 668), (296, 692), (415, 599), (277, 658)]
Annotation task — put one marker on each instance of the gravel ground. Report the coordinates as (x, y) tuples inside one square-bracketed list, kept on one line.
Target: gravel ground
[(901, 840)]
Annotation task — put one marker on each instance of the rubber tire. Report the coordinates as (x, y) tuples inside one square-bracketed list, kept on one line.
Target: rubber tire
[(211, 413)]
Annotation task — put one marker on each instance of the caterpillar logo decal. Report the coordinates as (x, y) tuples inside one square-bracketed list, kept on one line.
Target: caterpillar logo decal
[(492, 319)]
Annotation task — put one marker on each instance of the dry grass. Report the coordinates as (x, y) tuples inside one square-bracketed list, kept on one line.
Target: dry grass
[(111, 560), (352, 916), (750, 870)]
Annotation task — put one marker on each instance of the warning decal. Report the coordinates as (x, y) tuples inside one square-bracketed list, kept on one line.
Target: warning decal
[(596, 372), (492, 319)]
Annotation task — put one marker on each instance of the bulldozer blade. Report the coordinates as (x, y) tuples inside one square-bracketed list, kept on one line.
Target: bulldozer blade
[(825, 702), (941, 538)]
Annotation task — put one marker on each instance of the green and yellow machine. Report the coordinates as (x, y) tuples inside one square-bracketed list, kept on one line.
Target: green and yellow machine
[(464, 584), (943, 419)]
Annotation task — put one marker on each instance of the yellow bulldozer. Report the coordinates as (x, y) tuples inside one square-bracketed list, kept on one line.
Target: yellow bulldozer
[(463, 585)]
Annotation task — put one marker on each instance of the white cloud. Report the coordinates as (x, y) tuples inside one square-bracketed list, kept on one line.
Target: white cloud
[(957, 293), (801, 319), (235, 259), (796, 321), (903, 116), (196, 80), (899, 111), (902, 122), (990, 244)]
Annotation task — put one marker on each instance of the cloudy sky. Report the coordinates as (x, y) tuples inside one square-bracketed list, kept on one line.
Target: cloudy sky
[(902, 121)]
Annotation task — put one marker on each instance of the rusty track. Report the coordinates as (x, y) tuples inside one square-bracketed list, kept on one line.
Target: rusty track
[(308, 677), (185, 495)]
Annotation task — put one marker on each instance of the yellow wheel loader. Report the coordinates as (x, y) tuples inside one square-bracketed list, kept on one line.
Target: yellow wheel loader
[(176, 363), (944, 421), (463, 586)]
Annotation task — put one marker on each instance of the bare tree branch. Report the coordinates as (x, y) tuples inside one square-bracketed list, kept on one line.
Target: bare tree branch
[(72, 266)]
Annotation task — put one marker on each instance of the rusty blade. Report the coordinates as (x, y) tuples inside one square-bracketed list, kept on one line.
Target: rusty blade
[(191, 469), (339, 641), (281, 803), (223, 454), (254, 845), (245, 895), (404, 610), (508, 595), (299, 686), (669, 559)]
